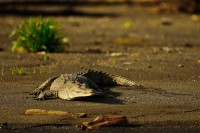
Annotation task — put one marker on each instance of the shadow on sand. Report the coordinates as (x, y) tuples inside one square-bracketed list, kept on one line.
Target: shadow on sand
[(51, 8)]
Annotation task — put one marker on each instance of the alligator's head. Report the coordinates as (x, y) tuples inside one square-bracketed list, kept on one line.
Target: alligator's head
[(75, 90)]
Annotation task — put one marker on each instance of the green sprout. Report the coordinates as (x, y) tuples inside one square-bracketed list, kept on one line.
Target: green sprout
[(34, 70), (113, 60), (128, 24), (2, 71), (19, 70), (36, 35), (42, 69)]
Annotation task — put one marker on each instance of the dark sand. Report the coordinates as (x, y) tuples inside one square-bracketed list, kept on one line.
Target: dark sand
[(164, 58)]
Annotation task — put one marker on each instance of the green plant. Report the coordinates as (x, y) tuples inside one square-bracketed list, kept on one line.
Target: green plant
[(19, 70), (113, 60), (2, 71), (42, 69), (37, 34)]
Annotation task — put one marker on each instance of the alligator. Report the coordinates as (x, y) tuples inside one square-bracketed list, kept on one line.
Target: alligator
[(78, 85)]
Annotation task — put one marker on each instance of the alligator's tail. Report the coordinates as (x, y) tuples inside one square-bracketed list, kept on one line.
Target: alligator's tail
[(102, 78), (123, 81)]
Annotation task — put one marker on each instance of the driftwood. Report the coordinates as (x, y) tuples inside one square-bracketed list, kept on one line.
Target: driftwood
[(53, 112)]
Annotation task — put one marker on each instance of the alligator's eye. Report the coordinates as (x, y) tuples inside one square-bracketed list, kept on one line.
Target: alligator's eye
[(80, 80)]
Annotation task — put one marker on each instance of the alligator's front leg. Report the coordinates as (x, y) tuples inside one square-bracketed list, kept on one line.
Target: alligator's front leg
[(43, 86), (47, 94)]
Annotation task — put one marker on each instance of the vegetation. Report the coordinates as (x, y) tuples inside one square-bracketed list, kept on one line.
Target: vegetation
[(19, 70), (37, 34), (25, 70)]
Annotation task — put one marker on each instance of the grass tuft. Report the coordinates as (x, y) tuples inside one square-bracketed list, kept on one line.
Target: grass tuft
[(36, 35), (19, 70)]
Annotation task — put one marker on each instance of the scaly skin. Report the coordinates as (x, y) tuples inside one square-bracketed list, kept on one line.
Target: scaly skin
[(76, 85), (101, 78)]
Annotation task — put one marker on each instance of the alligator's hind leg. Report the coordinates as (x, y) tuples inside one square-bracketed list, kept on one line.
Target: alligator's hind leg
[(43, 86)]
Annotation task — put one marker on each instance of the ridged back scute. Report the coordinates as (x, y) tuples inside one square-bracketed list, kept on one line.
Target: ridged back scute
[(100, 78)]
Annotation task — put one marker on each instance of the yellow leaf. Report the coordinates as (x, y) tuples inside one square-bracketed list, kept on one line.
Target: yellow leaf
[(128, 24)]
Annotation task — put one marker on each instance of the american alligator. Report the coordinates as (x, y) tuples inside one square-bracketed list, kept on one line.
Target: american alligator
[(76, 85)]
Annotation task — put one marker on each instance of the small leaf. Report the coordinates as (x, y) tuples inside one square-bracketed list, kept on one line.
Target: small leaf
[(12, 33), (128, 24)]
